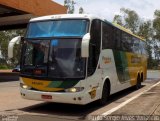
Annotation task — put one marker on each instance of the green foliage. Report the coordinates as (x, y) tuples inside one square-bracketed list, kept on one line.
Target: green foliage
[(3, 67), (131, 19), (70, 6), (157, 13), (81, 10), (118, 19), (5, 37), (156, 24), (146, 31), (156, 36)]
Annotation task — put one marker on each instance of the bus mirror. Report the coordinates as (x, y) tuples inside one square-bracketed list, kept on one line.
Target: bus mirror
[(85, 45), (15, 40)]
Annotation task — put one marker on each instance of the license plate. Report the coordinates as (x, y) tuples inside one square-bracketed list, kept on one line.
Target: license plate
[(47, 97)]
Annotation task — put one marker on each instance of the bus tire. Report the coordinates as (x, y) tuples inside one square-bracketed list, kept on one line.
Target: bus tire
[(138, 84), (105, 94), (142, 77)]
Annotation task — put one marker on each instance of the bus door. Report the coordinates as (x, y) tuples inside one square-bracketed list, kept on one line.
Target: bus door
[(94, 72)]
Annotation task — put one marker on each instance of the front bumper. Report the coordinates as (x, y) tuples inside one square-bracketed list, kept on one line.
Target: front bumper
[(81, 98)]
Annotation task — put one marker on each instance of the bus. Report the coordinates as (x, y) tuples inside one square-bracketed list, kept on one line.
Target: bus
[(78, 59)]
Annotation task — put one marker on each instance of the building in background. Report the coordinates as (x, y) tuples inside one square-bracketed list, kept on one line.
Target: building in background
[(16, 13)]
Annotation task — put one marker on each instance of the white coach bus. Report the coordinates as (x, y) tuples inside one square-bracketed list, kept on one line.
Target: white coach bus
[(78, 59)]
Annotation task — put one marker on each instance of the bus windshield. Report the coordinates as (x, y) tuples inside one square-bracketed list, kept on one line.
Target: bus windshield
[(62, 60), (65, 60), (57, 28)]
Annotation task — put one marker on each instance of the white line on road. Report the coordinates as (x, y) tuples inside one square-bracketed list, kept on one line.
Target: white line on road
[(127, 101)]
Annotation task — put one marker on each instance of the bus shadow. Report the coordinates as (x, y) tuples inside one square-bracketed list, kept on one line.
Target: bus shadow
[(76, 111), (122, 94)]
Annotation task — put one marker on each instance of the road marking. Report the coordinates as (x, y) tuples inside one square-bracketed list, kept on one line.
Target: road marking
[(127, 101)]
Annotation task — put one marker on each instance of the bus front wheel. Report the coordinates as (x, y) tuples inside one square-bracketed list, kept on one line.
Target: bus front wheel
[(105, 94)]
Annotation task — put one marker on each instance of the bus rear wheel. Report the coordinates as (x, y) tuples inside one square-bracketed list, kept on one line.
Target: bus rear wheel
[(105, 94), (138, 85)]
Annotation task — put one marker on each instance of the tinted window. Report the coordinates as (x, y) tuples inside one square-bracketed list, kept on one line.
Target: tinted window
[(123, 41), (136, 47), (94, 46), (57, 28), (114, 38), (127, 42), (117, 39), (107, 36), (143, 48)]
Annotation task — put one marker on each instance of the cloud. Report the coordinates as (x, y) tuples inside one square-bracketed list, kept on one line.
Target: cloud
[(108, 8)]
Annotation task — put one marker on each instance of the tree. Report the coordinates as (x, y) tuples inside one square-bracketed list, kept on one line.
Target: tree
[(156, 24), (70, 6), (129, 19), (81, 10), (5, 37), (156, 27), (118, 19), (146, 31)]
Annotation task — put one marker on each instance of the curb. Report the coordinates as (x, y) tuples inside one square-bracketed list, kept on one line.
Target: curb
[(9, 76)]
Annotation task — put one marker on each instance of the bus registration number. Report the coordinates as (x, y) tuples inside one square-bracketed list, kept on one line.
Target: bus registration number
[(46, 97)]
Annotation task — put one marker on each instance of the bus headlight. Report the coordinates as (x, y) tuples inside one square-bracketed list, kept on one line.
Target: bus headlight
[(24, 86), (75, 89)]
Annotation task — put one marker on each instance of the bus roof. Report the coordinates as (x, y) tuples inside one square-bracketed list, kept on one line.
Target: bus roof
[(64, 16), (82, 16), (126, 30)]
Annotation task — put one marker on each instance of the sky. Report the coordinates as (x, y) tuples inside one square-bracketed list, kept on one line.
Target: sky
[(108, 8)]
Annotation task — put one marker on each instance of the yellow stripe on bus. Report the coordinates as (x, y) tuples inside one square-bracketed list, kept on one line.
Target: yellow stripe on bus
[(41, 85), (136, 64)]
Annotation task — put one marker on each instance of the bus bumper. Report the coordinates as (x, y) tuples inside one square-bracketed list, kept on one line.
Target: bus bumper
[(80, 98)]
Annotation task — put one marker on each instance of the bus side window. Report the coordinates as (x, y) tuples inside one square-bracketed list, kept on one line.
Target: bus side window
[(94, 46), (143, 48), (136, 48), (127, 42), (117, 39), (107, 36)]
